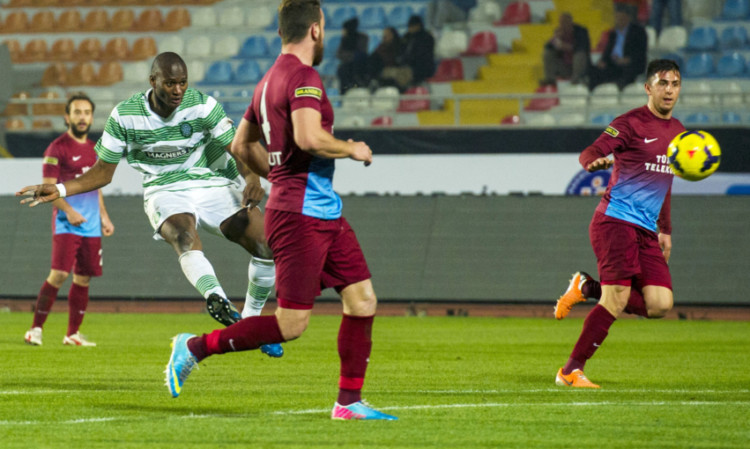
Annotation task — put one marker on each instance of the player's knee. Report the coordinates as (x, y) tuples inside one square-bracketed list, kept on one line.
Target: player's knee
[(291, 330), (184, 240), (57, 277), (660, 308)]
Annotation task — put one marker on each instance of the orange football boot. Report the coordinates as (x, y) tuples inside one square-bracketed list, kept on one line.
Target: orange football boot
[(575, 379), (572, 295)]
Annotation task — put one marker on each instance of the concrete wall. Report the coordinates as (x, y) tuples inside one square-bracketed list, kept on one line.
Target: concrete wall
[(486, 248)]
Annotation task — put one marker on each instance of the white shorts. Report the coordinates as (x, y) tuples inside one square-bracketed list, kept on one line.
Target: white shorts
[(209, 205)]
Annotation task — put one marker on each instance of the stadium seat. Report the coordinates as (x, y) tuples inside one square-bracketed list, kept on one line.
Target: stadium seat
[(543, 104), (225, 47), (575, 95), (450, 69), (35, 50), (700, 65), (137, 72), (733, 37), (198, 47), (385, 99), (116, 49), (332, 44), (515, 13), (14, 48), (248, 72), (511, 119), (356, 99), (41, 124), (69, 21), (731, 118), (82, 74), (482, 43), (415, 104), (232, 17), (651, 37), (96, 20), (55, 75), (372, 42), (676, 57), (220, 72), (603, 119), (697, 93), (173, 43), (149, 20), (254, 47), (383, 120), (261, 17), (486, 11), (177, 19), (89, 49), (57, 108), (122, 20), (571, 119), (16, 22), (633, 95), (334, 94), (730, 92), (399, 16), (274, 47), (540, 120), (351, 121), (62, 50), (109, 73), (696, 119), (736, 10), (206, 18), (606, 94), (731, 65), (42, 22), (703, 38), (17, 124), (339, 15), (328, 68), (143, 48), (196, 70), (373, 18), (672, 38), (17, 108), (451, 43)]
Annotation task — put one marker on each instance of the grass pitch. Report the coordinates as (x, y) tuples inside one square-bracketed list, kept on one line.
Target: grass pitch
[(453, 382)]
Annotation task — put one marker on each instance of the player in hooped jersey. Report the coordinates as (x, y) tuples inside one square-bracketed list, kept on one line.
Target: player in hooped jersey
[(179, 140), (78, 224), (313, 244), (631, 228)]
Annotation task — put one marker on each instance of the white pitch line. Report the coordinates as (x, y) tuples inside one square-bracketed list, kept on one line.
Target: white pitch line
[(552, 390)]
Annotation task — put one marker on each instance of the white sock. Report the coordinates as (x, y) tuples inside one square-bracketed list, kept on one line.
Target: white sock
[(200, 273), (262, 275)]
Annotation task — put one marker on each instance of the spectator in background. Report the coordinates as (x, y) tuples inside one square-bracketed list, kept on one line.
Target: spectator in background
[(419, 51), (387, 54), (568, 53), (674, 8), (624, 57), (352, 54)]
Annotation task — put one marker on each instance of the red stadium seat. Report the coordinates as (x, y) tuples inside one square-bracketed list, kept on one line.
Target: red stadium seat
[(16, 22), (122, 20), (482, 43), (143, 48), (149, 20), (176, 19), (515, 13), (83, 74), (42, 22), (511, 119), (55, 75), (35, 50), (90, 49), (383, 120), (96, 20), (543, 104), (69, 21), (109, 73), (62, 50), (116, 49), (415, 104), (450, 69)]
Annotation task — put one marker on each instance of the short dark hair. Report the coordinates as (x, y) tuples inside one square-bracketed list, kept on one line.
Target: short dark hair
[(295, 18), (661, 65), (78, 96), (166, 60)]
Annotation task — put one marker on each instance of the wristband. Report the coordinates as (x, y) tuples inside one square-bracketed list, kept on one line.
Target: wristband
[(61, 189)]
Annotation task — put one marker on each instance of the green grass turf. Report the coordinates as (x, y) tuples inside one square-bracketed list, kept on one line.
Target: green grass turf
[(453, 382)]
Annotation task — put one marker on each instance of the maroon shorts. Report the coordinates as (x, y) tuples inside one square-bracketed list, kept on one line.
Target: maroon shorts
[(312, 254), (82, 255), (625, 251)]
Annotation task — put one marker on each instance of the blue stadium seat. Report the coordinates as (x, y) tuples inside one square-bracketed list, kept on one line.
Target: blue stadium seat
[(220, 72), (339, 15), (602, 119), (332, 46), (274, 26), (703, 38), (254, 47), (328, 67), (373, 42), (398, 17), (731, 118), (733, 37), (700, 65), (248, 72), (731, 65), (274, 48), (736, 10), (334, 92), (696, 119), (676, 57), (372, 18)]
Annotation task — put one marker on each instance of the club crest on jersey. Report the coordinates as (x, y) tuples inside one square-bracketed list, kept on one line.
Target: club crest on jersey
[(186, 129), (308, 92), (612, 132)]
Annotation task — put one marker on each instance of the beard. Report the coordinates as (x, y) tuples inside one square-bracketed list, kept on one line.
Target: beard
[(318, 54), (75, 130)]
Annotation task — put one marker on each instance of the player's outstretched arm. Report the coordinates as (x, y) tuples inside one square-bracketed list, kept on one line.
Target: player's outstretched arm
[(98, 176), (246, 147), (310, 136)]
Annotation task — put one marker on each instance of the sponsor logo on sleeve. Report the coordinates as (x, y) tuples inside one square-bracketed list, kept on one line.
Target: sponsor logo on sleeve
[(50, 160), (612, 132), (308, 92)]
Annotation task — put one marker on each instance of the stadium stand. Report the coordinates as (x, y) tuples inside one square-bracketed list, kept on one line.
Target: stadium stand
[(516, 13)]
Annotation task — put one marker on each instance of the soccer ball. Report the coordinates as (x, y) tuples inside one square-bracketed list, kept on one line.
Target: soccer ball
[(694, 155)]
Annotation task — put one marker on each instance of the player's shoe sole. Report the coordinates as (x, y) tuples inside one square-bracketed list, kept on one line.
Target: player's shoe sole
[(359, 411), (33, 336), (180, 365), (575, 379), (77, 340), (272, 350), (222, 310), (572, 296)]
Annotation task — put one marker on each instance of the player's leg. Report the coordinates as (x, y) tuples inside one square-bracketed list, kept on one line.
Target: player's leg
[(88, 264), (656, 279), (245, 227)]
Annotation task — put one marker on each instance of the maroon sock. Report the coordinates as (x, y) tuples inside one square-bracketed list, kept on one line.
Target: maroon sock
[(595, 330), (44, 301), (249, 333), (78, 300), (355, 344), (592, 289)]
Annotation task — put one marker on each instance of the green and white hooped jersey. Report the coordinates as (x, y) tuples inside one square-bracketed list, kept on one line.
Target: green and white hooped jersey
[(184, 151)]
